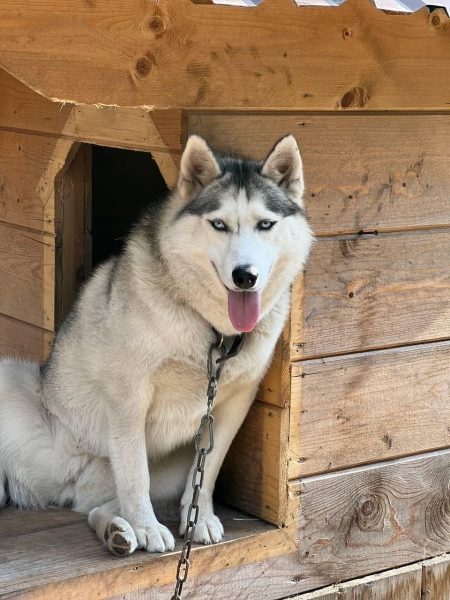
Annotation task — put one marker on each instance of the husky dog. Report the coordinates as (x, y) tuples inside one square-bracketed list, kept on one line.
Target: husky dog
[(107, 424)]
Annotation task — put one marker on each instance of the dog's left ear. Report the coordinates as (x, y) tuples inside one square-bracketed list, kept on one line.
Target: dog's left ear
[(198, 167), (284, 167)]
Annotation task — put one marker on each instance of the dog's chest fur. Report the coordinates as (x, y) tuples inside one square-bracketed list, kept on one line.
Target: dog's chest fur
[(179, 396)]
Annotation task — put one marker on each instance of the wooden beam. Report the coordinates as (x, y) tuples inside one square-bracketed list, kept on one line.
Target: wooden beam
[(348, 411), (254, 474), (363, 172), (22, 111), (372, 518), (177, 54), (73, 195)]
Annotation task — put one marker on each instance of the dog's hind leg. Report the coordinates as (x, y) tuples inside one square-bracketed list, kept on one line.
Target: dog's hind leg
[(112, 529)]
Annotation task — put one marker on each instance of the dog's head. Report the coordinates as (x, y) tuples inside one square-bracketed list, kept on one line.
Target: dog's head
[(238, 227)]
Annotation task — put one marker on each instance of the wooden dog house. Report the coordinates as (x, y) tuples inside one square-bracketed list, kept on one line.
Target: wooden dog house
[(340, 476)]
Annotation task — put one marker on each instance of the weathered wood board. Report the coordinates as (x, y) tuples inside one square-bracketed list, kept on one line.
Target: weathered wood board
[(73, 196), (372, 518), (254, 474), (179, 54), (21, 340), (399, 584), (27, 272), (362, 172), (436, 578), (368, 407), (38, 563), (369, 291)]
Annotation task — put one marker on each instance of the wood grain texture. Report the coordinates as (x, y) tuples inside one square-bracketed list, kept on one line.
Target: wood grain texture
[(22, 109), (21, 340), (178, 54), (372, 518), (368, 407), (399, 584), (37, 561), (27, 271), (254, 474), (371, 291), (27, 165), (362, 172), (73, 253)]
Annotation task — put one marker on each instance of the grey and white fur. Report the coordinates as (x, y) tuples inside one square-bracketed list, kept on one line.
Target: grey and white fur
[(107, 424)]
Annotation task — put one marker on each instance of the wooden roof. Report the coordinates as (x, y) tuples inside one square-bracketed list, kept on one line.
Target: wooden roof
[(177, 54)]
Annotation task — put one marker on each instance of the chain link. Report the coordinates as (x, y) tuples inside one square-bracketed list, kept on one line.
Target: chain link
[(206, 424)]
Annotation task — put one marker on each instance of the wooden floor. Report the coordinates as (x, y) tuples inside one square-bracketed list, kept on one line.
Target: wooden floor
[(38, 548)]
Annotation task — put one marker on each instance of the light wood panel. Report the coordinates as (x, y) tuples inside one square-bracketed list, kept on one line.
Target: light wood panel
[(362, 172), (372, 518), (370, 291), (277, 55), (368, 407), (254, 474), (21, 340), (27, 164), (399, 584), (27, 272)]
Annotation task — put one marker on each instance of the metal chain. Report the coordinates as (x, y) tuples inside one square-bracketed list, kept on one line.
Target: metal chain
[(207, 423)]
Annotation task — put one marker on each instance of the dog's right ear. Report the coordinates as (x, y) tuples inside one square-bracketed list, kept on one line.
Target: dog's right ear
[(198, 167)]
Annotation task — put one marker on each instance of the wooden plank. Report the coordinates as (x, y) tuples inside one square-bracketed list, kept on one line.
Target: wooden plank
[(348, 411), (27, 269), (21, 340), (396, 584), (17, 522), (254, 474), (39, 563), (28, 164), (73, 260), (368, 291), (372, 518), (363, 172), (276, 55), (22, 109), (436, 578)]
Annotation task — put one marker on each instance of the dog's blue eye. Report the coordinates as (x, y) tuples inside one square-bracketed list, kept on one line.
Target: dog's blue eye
[(265, 225), (219, 225)]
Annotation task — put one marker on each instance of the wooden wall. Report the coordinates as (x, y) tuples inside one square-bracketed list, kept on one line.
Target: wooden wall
[(367, 346), (45, 199)]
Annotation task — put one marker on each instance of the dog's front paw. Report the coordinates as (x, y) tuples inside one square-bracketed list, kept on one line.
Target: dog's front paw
[(154, 538), (209, 529)]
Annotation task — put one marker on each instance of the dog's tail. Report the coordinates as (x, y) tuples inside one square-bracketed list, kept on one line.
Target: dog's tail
[(20, 418)]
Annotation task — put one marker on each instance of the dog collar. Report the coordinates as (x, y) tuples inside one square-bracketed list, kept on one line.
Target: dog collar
[(236, 346)]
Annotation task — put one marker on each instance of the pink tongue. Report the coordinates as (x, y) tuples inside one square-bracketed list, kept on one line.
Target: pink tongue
[(244, 309)]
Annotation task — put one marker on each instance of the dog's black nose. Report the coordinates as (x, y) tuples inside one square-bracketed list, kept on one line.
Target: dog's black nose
[(245, 277)]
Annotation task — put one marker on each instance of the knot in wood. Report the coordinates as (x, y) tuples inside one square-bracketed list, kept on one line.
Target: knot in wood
[(157, 25), (437, 518), (355, 98), (143, 67), (371, 513)]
